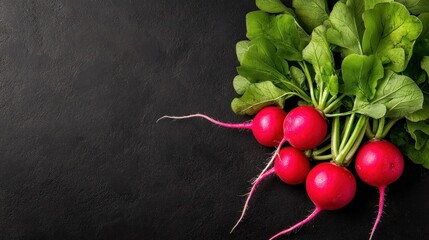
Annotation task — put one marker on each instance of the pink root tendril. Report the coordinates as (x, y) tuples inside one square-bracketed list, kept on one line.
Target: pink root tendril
[(246, 125), (246, 204), (380, 210), (271, 161), (300, 224)]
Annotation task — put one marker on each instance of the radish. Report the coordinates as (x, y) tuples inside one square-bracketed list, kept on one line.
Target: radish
[(330, 187), (379, 163), (267, 126), (304, 127), (291, 166)]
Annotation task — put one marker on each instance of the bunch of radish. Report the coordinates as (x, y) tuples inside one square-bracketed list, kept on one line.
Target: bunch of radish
[(355, 83)]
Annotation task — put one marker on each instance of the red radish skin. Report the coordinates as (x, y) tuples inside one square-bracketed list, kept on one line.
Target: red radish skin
[(330, 187), (305, 127), (291, 166), (379, 163), (266, 126)]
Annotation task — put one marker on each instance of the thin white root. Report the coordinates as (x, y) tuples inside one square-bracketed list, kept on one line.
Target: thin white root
[(252, 191), (178, 117), (270, 163)]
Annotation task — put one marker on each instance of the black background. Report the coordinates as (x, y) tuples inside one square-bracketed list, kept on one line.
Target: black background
[(81, 157)]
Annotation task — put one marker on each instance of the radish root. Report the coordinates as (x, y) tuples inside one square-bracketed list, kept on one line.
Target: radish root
[(246, 204), (273, 157), (246, 125), (380, 210), (306, 220)]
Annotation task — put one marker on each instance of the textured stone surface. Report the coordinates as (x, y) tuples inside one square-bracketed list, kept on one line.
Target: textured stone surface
[(81, 157)]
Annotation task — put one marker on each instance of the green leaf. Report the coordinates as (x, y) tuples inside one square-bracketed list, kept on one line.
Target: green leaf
[(259, 62), (256, 23), (398, 93), (422, 114), (241, 48), (240, 84), (258, 96), (418, 156), (361, 74), (419, 131), (333, 85), (357, 7), (282, 30), (421, 48), (319, 54), (416, 6), (298, 77), (370, 4), (402, 139), (346, 27), (271, 6), (374, 110), (311, 13), (397, 59), (424, 18), (264, 77), (390, 34)]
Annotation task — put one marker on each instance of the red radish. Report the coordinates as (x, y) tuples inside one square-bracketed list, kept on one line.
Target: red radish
[(291, 166), (379, 163), (330, 187), (267, 126), (304, 127)]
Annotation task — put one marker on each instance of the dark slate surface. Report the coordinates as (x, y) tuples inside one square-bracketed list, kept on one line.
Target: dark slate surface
[(81, 157)]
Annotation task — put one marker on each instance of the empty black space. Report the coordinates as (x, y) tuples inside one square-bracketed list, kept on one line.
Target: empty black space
[(82, 83)]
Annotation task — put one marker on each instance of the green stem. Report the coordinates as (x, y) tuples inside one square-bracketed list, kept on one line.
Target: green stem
[(328, 136), (335, 136), (300, 92), (320, 92), (333, 105), (380, 128), (321, 150), (369, 132), (339, 114), (310, 82), (346, 123), (374, 125), (348, 130), (331, 99), (388, 126), (308, 153), (323, 99), (354, 148), (322, 157), (354, 139)]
